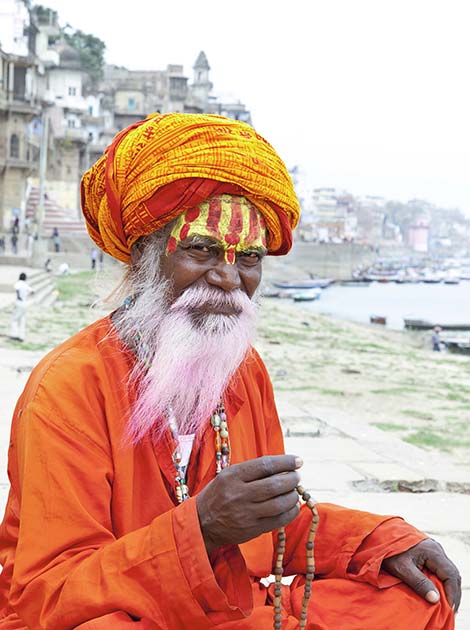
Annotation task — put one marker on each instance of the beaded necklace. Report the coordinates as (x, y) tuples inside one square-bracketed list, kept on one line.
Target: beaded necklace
[(222, 449)]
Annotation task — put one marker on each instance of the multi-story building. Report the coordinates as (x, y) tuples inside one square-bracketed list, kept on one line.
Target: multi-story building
[(371, 218), (335, 215), (20, 105)]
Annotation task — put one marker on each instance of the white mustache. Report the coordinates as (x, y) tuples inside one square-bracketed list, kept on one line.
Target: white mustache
[(208, 297)]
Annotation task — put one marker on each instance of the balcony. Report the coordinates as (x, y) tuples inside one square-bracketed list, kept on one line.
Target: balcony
[(72, 134), (19, 106)]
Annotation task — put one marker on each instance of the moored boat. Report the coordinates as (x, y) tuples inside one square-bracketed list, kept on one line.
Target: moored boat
[(422, 324), (378, 319), (457, 346), (307, 296), (317, 283)]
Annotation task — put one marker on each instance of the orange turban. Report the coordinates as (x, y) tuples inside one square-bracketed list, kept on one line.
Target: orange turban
[(159, 167)]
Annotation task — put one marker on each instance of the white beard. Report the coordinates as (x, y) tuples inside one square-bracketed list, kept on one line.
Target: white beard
[(193, 357)]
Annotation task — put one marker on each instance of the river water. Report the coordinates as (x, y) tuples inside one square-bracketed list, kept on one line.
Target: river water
[(443, 303)]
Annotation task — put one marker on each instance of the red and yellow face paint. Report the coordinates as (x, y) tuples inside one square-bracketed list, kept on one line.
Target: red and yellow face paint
[(232, 221)]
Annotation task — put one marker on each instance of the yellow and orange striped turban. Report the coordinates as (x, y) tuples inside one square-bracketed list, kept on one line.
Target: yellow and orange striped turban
[(159, 167)]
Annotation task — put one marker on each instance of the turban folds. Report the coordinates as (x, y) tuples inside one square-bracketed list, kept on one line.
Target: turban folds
[(159, 167)]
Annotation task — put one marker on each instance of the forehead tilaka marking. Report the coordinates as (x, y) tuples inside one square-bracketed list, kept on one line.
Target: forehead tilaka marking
[(233, 221)]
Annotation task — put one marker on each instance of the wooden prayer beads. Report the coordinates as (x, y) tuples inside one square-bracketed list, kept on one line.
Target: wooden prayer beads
[(310, 568)]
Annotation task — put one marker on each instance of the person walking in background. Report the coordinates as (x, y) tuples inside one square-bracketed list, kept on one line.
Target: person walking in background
[(101, 260), (94, 255), (436, 339), (56, 240), (18, 322), (14, 243)]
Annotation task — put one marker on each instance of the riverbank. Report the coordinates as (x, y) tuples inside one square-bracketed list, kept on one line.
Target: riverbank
[(374, 375)]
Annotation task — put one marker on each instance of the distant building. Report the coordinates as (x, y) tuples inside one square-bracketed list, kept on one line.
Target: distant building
[(20, 105), (335, 215), (418, 234), (371, 218)]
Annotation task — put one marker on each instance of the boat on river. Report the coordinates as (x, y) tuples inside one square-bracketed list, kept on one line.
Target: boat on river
[(314, 283), (422, 324), (457, 345), (307, 296), (378, 319)]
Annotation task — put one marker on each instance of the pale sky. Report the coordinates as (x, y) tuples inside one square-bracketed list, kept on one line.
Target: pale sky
[(368, 95)]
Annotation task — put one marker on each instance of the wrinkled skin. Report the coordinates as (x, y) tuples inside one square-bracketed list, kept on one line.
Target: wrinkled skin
[(248, 499), (430, 555)]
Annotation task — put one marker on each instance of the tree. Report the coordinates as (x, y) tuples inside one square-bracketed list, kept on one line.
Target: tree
[(91, 49)]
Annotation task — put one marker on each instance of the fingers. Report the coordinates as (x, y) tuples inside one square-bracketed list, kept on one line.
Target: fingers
[(276, 506), (272, 523), (447, 572), (411, 575), (267, 466), (265, 489)]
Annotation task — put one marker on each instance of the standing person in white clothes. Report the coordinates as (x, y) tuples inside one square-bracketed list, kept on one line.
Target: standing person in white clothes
[(18, 322)]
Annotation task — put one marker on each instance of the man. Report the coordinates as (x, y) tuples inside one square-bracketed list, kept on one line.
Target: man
[(18, 321), (436, 339), (148, 480)]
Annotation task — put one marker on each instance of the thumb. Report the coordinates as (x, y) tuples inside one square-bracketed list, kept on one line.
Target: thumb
[(420, 584)]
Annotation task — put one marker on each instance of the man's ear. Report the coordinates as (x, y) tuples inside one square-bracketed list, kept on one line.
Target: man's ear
[(137, 250)]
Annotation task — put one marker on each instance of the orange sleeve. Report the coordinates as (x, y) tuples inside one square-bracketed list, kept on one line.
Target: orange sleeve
[(69, 566), (349, 543)]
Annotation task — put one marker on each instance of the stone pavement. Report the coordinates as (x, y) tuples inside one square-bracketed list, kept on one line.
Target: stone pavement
[(362, 467), (357, 466)]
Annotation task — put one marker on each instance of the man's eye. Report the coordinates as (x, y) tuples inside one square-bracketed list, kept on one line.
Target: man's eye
[(250, 257), (200, 248)]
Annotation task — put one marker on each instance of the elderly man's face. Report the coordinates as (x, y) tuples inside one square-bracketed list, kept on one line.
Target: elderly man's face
[(200, 260)]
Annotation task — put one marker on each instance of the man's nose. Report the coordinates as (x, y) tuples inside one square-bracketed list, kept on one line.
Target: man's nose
[(224, 275)]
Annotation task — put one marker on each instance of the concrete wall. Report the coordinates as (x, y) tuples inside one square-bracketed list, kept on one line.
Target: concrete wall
[(329, 260), (12, 195)]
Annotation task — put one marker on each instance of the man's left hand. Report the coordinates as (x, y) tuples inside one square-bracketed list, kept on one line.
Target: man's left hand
[(429, 554)]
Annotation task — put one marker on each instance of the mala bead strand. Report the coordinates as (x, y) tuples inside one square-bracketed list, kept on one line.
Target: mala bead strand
[(310, 568), (278, 570)]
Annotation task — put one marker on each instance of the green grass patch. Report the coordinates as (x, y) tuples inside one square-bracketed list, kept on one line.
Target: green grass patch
[(435, 440), (457, 388), (395, 391), (456, 397), (389, 426), (77, 285), (298, 388), (332, 392), (366, 346), (414, 413)]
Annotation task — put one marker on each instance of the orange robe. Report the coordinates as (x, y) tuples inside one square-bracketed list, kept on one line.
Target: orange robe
[(92, 536)]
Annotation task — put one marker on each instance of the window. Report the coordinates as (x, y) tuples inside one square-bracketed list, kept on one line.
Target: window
[(72, 90), (131, 103), (14, 146), (71, 123)]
